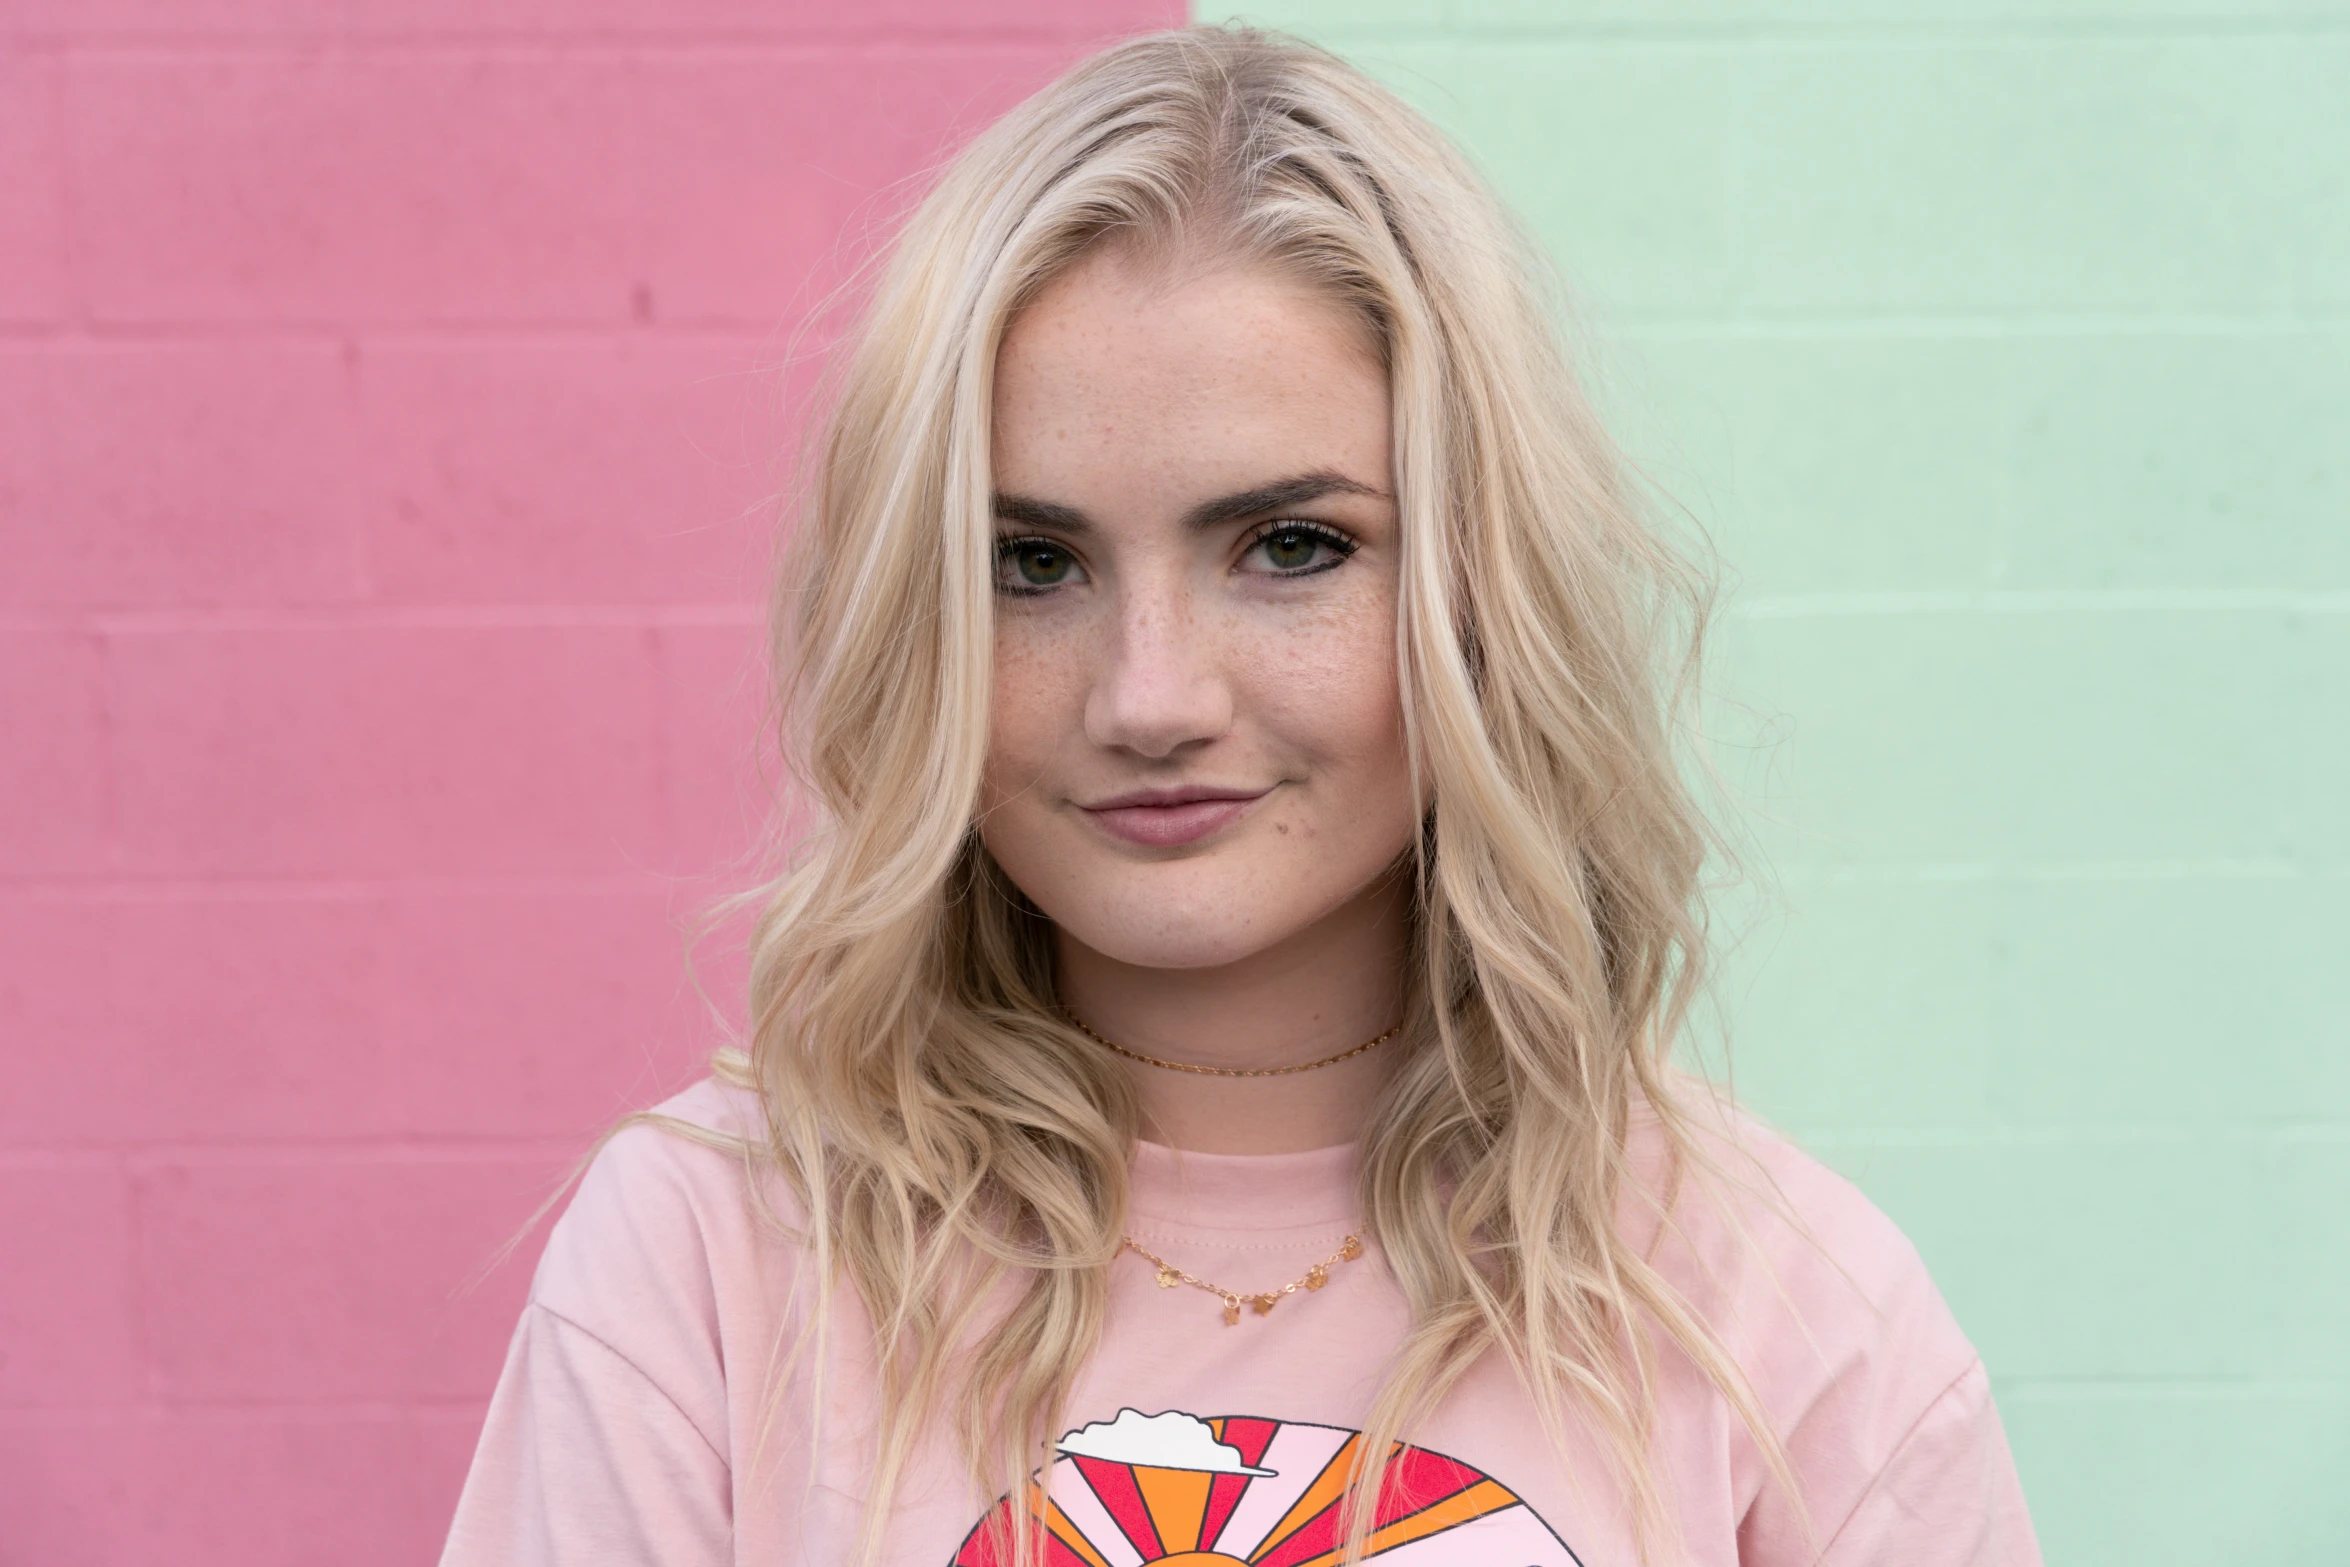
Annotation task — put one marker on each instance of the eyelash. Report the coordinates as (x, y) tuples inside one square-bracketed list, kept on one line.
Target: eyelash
[(1339, 543), (1008, 547)]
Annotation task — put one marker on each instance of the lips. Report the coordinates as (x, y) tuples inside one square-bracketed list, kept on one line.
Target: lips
[(1167, 818)]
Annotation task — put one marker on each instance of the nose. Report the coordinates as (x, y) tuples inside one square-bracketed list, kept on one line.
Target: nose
[(1161, 684)]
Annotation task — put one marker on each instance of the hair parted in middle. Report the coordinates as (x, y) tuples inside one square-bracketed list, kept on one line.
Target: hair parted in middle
[(959, 1151)]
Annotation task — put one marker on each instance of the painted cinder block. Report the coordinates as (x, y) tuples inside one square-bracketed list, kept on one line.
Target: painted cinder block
[(250, 1018), (620, 469), (2183, 1474), (1916, 458), (269, 1488), (778, 173), (307, 187), (2087, 1253), (2309, 1167), (728, 22), (229, 1017), (2181, 1000), (1644, 229), (1825, 461), (535, 1012), (725, 781), (323, 1278), (1762, 18), (1861, 1003), (69, 1333), (72, 1486), (694, 186), (55, 1020), (387, 750), (2070, 733), (54, 772), (446, 1435), (192, 1017), (1991, 178), (2205, 460), (33, 275), (163, 473)]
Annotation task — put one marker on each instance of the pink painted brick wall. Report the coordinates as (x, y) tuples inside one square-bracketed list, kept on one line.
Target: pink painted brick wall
[(382, 386)]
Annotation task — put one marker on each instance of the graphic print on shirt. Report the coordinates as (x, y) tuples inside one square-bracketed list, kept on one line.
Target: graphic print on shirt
[(1240, 1491)]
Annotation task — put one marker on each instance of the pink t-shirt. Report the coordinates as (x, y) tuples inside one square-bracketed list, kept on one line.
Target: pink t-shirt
[(636, 1420)]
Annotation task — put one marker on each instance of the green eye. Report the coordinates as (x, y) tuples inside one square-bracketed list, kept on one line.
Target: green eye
[(1032, 564), (1290, 548), (1299, 549)]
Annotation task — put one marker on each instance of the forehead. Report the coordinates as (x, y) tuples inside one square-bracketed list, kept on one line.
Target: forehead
[(1127, 380)]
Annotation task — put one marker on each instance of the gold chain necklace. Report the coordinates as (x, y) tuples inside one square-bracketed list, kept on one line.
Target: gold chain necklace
[(1230, 1071), (1315, 1276)]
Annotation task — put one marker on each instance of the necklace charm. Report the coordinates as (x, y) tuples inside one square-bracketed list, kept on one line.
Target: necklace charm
[(1315, 1277)]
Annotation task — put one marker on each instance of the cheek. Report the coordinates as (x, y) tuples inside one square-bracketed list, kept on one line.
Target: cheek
[(1331, 693), (1035, 703)]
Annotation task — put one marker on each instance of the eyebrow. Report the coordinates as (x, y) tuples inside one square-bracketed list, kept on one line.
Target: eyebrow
[(1293, 491)]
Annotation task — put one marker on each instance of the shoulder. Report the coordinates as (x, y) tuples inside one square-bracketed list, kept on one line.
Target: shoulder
[(676, 1218), (1817, 1294), (1880, 1404)]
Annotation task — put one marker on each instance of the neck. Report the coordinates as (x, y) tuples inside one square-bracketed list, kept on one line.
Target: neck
[(1323, 990)]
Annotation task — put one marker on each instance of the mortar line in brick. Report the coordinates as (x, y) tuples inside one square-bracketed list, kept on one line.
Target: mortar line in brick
[(346, 1152), (618, 328), (139, 1157), (66, 1417), (415, 617), (231, 888), (1760, 326), (429, 1404), (558, 47), (130, 621), (1796, 35), (2042, 601), (1921, 871), (82, 1160), (2232, 1137), (2314, 1134), (2155, 1386)]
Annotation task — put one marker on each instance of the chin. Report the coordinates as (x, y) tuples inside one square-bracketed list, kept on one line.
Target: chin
[(1153, 942)]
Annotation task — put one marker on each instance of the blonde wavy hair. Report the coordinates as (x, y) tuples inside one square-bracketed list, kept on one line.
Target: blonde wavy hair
[(960, 1152)]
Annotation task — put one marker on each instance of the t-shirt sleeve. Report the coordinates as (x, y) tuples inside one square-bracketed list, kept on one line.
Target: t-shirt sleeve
[(1881, 1405), (1948, 1497), (609, 1438), (585, 1460)]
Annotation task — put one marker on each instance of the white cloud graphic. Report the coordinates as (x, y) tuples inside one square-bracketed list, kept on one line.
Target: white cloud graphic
[(1173, 1440)]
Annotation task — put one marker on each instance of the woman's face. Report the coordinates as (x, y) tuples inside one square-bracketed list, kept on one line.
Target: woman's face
[(1197, 749)]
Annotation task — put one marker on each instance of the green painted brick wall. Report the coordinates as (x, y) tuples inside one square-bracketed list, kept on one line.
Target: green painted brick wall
[(2004, 351)]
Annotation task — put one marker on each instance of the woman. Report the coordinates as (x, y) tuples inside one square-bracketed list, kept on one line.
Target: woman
[(1220, 1029)]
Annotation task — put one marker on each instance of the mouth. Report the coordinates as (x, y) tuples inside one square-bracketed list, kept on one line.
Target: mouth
[(1168, 818)]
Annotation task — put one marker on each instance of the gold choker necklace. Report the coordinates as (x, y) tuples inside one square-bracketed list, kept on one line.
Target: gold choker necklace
[(1315, 1276), (1230, 1071)]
